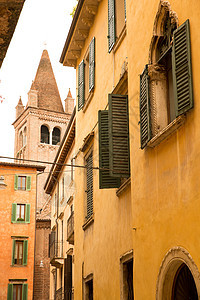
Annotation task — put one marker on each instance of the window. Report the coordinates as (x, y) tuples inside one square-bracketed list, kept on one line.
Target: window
[(63, 188), (128, 280), (114, 142), (86, 76), (72, 168), (116, 20), (17, 291), (20, 213), (166, 83), (44, 135), (24, 141), (89, 185), (22, 183), (56, 136), (20, 140), (20, 252), (89, 290)]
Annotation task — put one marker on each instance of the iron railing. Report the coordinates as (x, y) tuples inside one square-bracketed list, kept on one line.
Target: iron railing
[(56, 249)]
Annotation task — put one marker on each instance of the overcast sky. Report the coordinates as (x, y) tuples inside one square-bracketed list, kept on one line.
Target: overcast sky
[(42, 24)]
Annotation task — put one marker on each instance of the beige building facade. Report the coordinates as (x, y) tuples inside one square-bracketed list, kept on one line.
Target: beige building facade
[(60, 185)]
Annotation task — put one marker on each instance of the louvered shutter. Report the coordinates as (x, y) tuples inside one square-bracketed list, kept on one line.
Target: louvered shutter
[(28, 183), (182, 69), (14, 210), (89, 191), (118, 121), (105, 180), (91, 64), (125, 9), (13, 252), (16, 183), (10, 292), (68, 278), (145, 127), (25, 291), (25, 252), (27, 213), (81, 85), (111, 24)]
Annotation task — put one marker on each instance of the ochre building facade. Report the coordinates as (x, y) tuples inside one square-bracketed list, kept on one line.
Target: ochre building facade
[(137, 134)]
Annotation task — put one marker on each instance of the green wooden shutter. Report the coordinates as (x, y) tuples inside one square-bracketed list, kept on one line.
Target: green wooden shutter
[(16, 183), (111, 24), (10, 292), (105, 180), (91, 64), (14, 210), (118, 120), (27, 213), (145, 127), (81, 85), (25, 252), (13, 252), (182, 69), (28, 183), (125, 9), (25, 291), (89, 191)]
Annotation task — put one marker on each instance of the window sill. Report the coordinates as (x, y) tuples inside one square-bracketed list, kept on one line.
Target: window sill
[(18, 266), (123, 187), (119, 39), (89, 222), (87, 102), (167, 131)]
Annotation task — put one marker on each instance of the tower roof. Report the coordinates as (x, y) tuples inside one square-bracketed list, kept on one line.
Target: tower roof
[(20, 101), (69, 94), (45, 84)]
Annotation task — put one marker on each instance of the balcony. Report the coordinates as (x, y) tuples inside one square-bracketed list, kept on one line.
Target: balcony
[(56, 254), (70, 229)]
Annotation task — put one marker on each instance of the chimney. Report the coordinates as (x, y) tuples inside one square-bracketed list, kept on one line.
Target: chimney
[(69, 103), (19, 108)]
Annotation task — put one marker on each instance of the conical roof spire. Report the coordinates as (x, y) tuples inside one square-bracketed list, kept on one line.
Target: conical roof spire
[(45, 84), (69, 94), (20, 101)]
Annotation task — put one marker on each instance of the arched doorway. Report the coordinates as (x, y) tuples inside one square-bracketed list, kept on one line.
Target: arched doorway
[(178, 277), (184, 287)]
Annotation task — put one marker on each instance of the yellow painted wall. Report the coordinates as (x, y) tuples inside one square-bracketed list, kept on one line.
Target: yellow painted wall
[(165, 179), (99, 247), (8, 229)]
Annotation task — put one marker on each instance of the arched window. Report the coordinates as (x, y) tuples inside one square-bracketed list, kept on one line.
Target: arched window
[(44, 134), (20, 140), (24, 141), (55, 136)]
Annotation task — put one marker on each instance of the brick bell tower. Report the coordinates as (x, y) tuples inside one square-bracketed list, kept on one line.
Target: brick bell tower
[(39, 128)]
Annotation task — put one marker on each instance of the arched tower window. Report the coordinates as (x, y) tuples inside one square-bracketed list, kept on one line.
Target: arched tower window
[(44, 134), (25, 136), (55, 136), (20, 140)]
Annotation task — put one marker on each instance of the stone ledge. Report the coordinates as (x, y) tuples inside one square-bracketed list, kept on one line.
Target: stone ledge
[(167, 131), (89, 222), (123, 187)]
